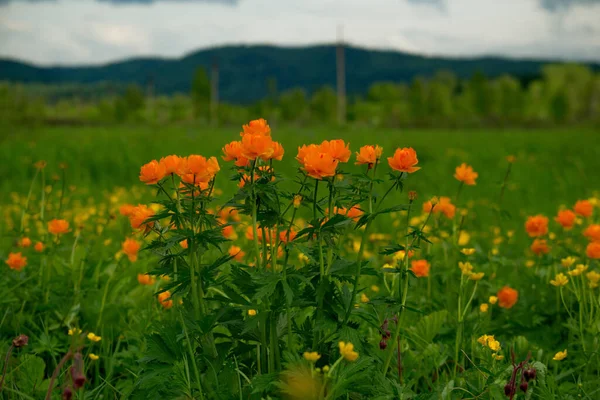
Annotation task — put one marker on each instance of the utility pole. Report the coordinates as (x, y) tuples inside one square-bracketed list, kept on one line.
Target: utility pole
[(214, 92), (341, 76)]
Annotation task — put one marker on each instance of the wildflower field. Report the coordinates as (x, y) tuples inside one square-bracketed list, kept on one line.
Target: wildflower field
[(274, 262)]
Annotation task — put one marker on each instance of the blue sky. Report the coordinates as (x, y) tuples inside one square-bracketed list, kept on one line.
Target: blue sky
[(99, 31)]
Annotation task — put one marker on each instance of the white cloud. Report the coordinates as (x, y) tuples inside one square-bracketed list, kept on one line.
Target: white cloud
[(88, 31)]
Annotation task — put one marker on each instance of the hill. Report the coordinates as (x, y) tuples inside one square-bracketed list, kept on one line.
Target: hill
[(245, 70)]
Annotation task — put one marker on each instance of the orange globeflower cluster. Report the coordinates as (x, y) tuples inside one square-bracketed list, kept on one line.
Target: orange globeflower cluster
[(256, 143), (537, 225), (592, 232), (593, 250), (464, 173), (507, 297), (404, 160), (138, 217), (443, 205), (566, 218), (236, 252), (164, 299), (353, 213), (24, 242), (58, 226), (420, 268), (584, 208), (131, 247), (16, 261), (193, 169), (540, 247), (321, 161), (368, 155), (145, 279)]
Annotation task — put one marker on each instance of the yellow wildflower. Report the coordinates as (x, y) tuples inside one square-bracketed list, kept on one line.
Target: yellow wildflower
[(311, 356), (475, 276), (94, 357), (463, 238), (484, 307), (493, 299), (364, 298), (93, 337), (468, 252), (594, 278), (375, 288), (465, 267), (559, 280), (561, 355), (567, 262), (483, 340), (494, 345), (74, 331), (498, 357), (347, 351), (252, 313), (529, 263), (297, 201)]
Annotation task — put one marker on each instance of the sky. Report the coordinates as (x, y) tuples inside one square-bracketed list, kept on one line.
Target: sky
[(68, 32)]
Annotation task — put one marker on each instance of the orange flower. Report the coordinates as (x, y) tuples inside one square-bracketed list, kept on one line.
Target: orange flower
[(39, 247), (369, 155), (233, 151), (126, 209), (444, 205), (304, 150), (319, 165), (420, 268), (184, 243), (256, 127), (593, 250), (583, 208), (173, 164), (145, 279), (152, 172), (355, 213), (138, 217), (539, 247), (229, 213), (236, 252), (257, 146), (283, 235), (24, 242), (164, 299), (536, 225), (507, 297), (201, 169), (404, 160), (58, 226), (566, 218), (592, 233), (337, 149), (465, 174), (131, 247), (16, 261), (277, 151), (229, 232)]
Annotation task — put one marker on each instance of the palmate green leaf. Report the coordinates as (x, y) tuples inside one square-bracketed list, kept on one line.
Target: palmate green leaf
[(430, 325), (28, 375), (388, 250)]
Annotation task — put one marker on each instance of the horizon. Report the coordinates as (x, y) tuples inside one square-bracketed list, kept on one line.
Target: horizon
[(98, 32), (516, 58)]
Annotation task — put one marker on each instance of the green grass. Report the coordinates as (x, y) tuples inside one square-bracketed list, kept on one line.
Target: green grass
[(553, 166)]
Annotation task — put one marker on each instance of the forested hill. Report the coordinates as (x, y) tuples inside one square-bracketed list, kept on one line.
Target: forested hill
[(245, 71)]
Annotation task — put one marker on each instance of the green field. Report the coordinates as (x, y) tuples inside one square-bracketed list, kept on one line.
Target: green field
[(247, 337)]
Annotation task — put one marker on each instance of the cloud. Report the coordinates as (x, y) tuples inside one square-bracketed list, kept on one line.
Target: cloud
[(563, 5), (142, 2)]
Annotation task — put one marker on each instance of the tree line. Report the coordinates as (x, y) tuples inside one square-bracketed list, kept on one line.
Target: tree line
[(562, 94)]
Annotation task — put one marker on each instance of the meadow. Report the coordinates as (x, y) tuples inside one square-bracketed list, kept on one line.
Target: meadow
[(313, 279)]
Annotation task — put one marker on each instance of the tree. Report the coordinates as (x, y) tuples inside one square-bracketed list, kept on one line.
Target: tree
[(201, 93)]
